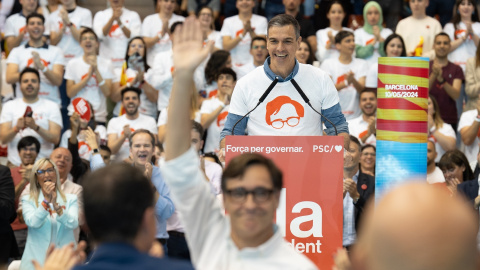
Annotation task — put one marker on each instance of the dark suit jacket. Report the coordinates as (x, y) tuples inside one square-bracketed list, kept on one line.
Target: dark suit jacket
[(469, 189), (8, 245), (366, 188), (119, 256)]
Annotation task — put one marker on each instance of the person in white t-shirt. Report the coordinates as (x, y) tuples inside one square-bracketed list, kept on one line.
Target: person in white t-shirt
[(205, 16), (15, 32), (90, 77), (438, 131), (469, 128), (65, 25), (240, 240), (258, 49), (214, 111), (115, 26), (284, 112), (326, 37), (419, 30), (155, 29), (364, 127), (370, 37), (120, 128), (47, 59), (238, 31), (348, 74), (464, 32), (218, 60), (30, 116), (434, 174), (135, 72)]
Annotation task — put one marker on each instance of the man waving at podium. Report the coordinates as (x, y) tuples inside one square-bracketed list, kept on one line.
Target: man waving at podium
[(247, 238), (289, 95)]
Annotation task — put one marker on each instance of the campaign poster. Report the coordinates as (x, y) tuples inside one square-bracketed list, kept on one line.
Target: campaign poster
[(310, 214)]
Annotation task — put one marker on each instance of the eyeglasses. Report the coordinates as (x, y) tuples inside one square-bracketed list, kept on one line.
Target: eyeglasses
[(256, 47), (239, 195), (291, 121), (42, 172)]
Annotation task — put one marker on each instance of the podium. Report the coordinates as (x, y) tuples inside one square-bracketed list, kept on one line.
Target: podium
[(310, 212)]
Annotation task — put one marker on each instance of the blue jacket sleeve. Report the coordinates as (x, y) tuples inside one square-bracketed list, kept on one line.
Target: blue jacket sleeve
[(335, 115), (231, 120), (164, 207)]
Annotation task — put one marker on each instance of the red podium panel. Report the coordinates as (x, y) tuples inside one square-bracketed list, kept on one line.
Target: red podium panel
[(310, 214)]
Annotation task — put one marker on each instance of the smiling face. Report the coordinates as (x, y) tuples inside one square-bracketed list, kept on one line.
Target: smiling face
[(441, 46), (303, 53), (136, 46), (351, 162), (394, 48), (466, 9), (130, 102), (373, 15), (251, 220), (63, 159), (259, 51), (336, 14), (29, 85), (282, 45), (368, 103), (35, 28), (28, 154), (205, 16), (367, 159), (142, 149), (89, 43)]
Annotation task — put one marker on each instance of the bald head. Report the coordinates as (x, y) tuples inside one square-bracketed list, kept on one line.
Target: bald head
[(418, 227), (63, 159)]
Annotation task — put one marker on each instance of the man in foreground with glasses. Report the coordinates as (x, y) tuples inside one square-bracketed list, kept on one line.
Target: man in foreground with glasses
[(246, 238)]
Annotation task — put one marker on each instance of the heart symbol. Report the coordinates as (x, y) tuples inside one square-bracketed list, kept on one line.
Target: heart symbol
[(338, 148)]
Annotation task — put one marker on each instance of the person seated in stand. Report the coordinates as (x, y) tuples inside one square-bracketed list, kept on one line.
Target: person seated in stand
[(440, 132), (367, 159), (239, 30), (214, 110), (348, 73), (304, 53), (434, 173), (364, 127), (307, 31), (15, 33), (445, 80), (239, 240), (468, 127), (258, 49), (419, 30), (457, 172), (218, 60)]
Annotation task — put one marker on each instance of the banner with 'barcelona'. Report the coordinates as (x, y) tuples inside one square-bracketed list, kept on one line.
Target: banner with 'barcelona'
[(401, 121)]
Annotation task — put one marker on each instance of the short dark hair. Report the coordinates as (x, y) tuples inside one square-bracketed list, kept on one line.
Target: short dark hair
[(341, 35), (356, 141), (284, 20), (239, 164), (140, 131), (174, 26), (368, 146), (27, 141), (227, 71), (257, 38), (87, 30), (29, 70), (131, 89), (105, 148), (442, 34), (368, 90), (112, 211), (198, 128), (36, 15)]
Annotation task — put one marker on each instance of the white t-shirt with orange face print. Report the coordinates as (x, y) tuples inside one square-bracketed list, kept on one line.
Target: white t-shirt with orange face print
[(284, 112), (212, 142)]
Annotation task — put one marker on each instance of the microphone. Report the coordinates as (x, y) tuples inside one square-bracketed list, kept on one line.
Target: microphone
[(305, 98), (262, 98)]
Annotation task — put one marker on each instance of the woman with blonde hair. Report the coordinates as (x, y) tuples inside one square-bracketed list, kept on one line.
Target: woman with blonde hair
[(51, 215)]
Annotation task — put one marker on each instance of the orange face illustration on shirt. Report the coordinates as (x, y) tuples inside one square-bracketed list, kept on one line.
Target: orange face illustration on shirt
[(221, 118), (283, 110)]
